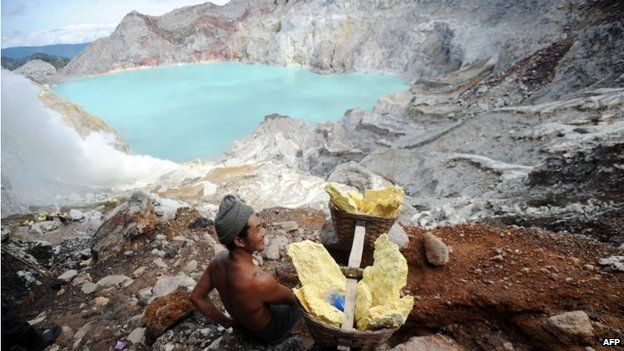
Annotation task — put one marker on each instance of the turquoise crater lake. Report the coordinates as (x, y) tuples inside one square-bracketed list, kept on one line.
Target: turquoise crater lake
[(194, 111)]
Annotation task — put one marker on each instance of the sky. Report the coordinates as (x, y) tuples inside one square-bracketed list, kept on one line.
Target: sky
[(47, 22)]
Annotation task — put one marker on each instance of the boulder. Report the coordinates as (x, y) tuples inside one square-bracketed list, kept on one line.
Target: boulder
[(80, 334), (160, 263), (190, 267), (114, 281), (397, 235), (88, 287), (288, 226), (39, 319), (137, 336), (146, 294), (615, 262), (435, 342), (328, 235), (571, 325), (101, 301), (41, 228), (166, 311), (135, 321), (184, 218), (168, 284), (76, 215), (138, 272), (357, 176), (127, 227), (68, 275), (276, 245), (436, 250), (65, 337)]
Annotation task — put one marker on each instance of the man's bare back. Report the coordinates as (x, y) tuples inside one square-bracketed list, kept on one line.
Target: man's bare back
[(252, 297), (238, 285)]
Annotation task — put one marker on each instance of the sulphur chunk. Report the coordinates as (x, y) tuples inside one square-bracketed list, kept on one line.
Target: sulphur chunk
[(384, 202), (316, 304), (379, 291), (363, 302), (340, 199), (319, 275)]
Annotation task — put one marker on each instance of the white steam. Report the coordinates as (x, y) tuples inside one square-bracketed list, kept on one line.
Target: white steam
[(45, 162)]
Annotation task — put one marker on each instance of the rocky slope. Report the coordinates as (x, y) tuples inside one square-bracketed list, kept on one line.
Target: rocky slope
[(556, 164), (80, 120), (100, 274)]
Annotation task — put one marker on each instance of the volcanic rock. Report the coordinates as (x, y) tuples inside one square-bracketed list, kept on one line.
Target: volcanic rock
[(127, 227), (436, 251), (435, 342), (166, 311), (574, 324)]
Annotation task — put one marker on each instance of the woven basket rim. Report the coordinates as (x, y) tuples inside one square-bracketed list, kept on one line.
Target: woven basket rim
[(352, 331), (359, 215)]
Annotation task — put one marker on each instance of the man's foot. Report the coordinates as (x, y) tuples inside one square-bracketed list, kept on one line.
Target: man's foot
[(46, 339)]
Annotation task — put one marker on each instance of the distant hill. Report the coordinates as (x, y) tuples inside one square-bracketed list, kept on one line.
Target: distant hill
[(57, 61), (61, 50)]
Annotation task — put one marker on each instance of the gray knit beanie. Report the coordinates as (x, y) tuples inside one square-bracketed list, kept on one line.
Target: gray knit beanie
[(231, 218)]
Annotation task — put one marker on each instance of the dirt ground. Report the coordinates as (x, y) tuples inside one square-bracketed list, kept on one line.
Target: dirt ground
[(540, 274), (498, 287)]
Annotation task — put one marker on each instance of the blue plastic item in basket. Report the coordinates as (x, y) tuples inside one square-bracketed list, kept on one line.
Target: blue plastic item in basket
[(336, 300)]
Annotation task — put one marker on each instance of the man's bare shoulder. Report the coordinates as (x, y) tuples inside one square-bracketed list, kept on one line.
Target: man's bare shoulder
[(219, 260), (263, 280)]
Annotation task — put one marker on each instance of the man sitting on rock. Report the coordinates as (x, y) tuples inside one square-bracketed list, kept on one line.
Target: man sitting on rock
[(259, 306)]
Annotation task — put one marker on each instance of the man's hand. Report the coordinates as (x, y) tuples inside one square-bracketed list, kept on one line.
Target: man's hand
[(201, 300)]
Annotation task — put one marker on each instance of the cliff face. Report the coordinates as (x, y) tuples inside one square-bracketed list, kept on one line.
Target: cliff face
[(403, 36), (190, 34), (417, 39)]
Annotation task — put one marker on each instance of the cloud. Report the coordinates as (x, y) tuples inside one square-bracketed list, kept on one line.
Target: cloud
[(13, 8), (77, 22), (70, 34)]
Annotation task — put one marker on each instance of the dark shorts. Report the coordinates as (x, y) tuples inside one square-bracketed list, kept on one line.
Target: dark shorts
[(283, 319)]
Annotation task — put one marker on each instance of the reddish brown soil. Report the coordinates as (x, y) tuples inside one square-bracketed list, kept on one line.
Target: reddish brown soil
[(474, 292)]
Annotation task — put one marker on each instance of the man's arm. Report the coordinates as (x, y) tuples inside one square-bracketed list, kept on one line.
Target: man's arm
[(270, 291), (201, 300)]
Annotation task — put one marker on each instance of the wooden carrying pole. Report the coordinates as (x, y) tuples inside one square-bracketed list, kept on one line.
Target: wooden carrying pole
[(355, 258)]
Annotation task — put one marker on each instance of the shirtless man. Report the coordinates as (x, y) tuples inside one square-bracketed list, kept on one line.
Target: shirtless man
[(259, 306)]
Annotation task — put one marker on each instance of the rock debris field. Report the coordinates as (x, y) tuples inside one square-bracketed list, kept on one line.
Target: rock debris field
[(488, 288)]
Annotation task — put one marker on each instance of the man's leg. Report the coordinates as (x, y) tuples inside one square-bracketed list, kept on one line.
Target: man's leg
[(283, 319), (13, 326), (286, 318), (16, 331)]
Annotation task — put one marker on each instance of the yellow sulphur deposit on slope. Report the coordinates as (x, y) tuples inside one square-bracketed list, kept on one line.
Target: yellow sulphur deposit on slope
[(379, 303), (319, 275), (384, 202)]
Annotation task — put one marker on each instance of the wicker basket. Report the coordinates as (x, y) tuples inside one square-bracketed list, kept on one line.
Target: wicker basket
[(344, 225), (325, 335)]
